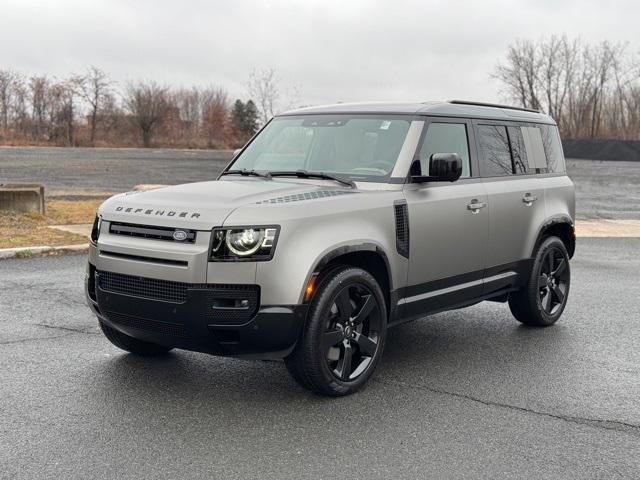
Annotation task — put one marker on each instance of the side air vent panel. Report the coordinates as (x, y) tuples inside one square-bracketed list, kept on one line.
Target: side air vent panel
[(307, 196), (402, 227)]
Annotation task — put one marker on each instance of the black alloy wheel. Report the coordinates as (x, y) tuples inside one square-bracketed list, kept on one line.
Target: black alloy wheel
[(543, 298), (344, 333), (352, 332)]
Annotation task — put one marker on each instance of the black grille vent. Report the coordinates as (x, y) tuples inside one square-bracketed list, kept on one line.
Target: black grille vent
[(154, 233), (298, 197), (166, 291), (231, 304), (146, 324), (402, 228)]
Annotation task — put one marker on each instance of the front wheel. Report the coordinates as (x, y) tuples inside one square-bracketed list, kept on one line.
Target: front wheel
[(344, 334), (543, 298)]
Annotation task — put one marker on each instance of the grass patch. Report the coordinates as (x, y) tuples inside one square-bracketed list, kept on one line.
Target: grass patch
[(30, 229)]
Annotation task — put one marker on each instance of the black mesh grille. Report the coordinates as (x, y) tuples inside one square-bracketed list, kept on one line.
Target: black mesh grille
[(146, 324), (307, 196), (241, 302), (402, 229), (151, 288)]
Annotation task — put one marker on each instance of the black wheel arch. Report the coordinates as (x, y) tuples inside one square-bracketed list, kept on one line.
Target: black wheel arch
[(367, 256), (560, 226)]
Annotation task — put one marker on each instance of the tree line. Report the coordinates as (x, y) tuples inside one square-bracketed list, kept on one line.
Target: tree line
[(90, 110), (591, 90)]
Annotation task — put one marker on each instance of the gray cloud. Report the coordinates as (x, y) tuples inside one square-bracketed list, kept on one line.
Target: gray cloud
[(333, 50)]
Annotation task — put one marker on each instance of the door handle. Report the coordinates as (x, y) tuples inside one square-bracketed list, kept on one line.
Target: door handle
[(475, 206), (528, 199)]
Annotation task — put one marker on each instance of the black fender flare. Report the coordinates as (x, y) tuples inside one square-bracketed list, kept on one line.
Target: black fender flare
[(343, 250), (550, 222)]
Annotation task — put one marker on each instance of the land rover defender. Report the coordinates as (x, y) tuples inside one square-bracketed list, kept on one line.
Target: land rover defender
[(334, 224)]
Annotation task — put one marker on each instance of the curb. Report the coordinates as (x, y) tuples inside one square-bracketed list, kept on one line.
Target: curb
[(40, 250)]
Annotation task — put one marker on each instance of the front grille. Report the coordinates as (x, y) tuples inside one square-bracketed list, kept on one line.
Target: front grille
[(150, 232), (230, 304), (164, 290), (146, 324)]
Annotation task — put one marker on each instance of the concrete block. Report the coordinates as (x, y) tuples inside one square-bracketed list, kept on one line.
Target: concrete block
[(22, 197)]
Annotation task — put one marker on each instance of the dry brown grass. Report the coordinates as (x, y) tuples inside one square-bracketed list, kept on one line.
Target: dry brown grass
[(31, 229)]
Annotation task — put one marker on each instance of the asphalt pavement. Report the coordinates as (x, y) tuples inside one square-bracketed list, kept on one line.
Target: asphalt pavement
[(462, 394), (604, 189)]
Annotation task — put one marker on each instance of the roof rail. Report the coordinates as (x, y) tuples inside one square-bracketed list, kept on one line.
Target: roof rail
[(494, 105)]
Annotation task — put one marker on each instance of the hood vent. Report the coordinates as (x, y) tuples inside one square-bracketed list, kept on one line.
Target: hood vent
[(298, 197), (402, 227)]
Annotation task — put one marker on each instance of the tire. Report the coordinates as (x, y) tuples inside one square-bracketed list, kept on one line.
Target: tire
[(132, 345), (542, 300), (343, 336)]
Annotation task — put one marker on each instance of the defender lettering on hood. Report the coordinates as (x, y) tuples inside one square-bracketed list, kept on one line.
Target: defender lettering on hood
[(159, 213)]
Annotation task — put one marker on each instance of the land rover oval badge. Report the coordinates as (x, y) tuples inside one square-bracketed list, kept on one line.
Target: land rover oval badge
[(180, 235)]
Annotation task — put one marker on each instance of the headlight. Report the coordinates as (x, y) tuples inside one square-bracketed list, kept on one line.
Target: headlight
[(244, 243), (95, 230)]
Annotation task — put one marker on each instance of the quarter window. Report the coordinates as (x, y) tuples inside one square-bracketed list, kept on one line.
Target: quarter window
[(494, 143), (445, 138)]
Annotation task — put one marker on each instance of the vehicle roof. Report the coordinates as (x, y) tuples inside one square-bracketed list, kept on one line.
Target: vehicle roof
[(442, 109)]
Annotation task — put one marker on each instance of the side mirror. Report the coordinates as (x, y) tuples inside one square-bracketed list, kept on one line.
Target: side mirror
[(236, 152), (443, 167)]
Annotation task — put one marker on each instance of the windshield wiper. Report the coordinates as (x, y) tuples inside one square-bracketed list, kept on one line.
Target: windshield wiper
[(305, 174), (246, 173)]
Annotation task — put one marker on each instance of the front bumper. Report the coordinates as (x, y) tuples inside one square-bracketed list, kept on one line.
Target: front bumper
[(187, 319)]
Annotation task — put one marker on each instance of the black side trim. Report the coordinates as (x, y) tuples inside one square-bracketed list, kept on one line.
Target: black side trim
[(417, 301), (402, 227)]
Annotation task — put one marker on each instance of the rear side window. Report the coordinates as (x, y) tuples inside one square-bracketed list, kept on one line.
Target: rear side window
[(496, 154), (445, 138), (553, 148)]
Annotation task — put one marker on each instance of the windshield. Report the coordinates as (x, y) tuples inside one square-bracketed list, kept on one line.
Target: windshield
[(359, 147)]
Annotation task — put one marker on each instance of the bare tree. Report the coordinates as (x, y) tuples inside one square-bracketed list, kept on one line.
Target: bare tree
[(263, 89), (94, 87), (8, 81), (588, 89), (147, 102)]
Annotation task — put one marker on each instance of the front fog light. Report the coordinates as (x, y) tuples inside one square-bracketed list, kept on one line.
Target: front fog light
[(250, 243)]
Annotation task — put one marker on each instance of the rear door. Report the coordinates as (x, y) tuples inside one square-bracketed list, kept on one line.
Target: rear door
[(448, 225), (510, 155)]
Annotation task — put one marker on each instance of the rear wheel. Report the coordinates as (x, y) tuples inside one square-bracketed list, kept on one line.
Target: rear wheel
[(132, 345), (344, 334), (543, 299)]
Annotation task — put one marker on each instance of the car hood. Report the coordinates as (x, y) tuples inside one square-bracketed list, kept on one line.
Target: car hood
[(204, 205)]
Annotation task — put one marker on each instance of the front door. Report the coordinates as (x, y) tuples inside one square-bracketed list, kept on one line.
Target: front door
[(449, 224)]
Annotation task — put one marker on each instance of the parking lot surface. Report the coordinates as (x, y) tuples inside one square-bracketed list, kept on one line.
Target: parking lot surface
[(469, 393), (604, 189)]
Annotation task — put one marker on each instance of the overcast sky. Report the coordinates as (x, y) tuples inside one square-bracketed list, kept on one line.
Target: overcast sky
[(342, 50)]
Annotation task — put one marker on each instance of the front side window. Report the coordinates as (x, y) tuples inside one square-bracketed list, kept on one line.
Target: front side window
[(496, 154), (359, 147), (445, 138)]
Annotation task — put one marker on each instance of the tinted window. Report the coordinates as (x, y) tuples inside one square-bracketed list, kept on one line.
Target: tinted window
[(553, 148), (445, 138), (519, 151), (496, 156), (360, 147)]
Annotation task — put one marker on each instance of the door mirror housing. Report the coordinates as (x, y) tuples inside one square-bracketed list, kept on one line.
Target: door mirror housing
[(443, 167)]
